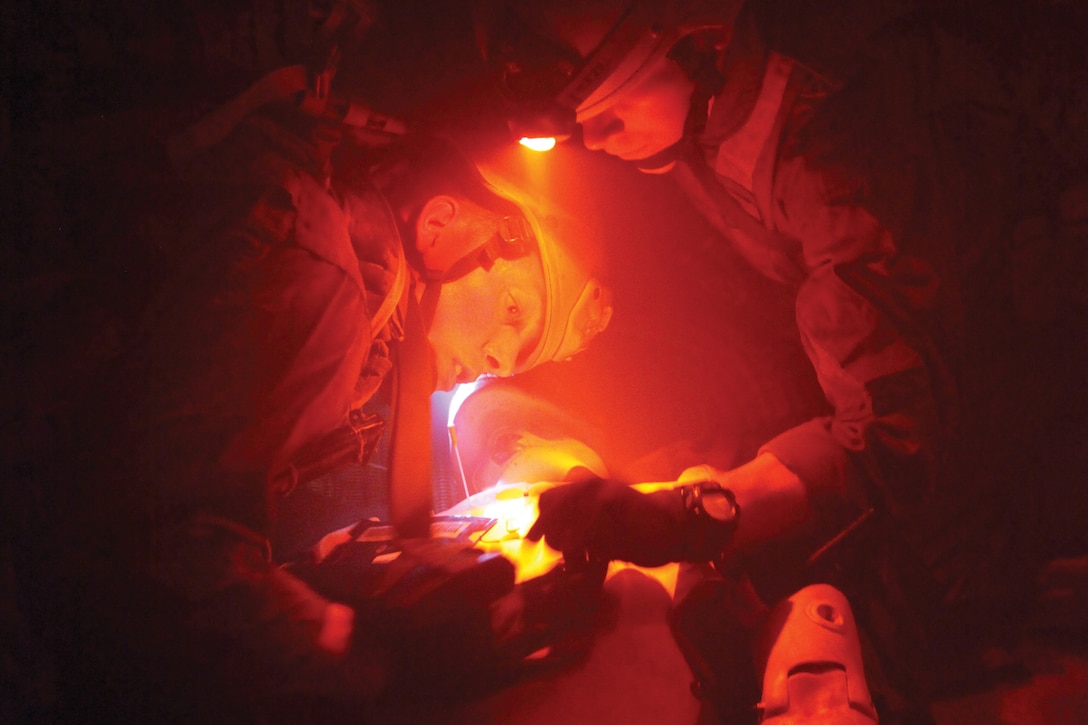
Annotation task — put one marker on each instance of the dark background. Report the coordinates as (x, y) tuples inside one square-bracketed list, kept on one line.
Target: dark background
[(701, 362)]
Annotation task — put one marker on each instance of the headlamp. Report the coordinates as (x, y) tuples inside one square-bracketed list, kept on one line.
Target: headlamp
[(547, 88), (546, 143), (539, 126)]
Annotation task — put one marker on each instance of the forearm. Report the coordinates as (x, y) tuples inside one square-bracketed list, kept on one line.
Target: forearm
[(772, 499)]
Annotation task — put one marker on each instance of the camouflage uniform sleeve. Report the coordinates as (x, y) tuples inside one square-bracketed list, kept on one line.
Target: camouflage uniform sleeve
[(284, 335), (859, 311), (311, 332)]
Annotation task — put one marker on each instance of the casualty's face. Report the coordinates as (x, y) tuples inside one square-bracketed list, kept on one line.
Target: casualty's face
[(488, 320), (645, 118)]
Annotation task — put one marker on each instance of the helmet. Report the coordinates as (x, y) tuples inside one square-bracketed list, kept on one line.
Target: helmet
[(542, 203), (550, 80), (537, 207), (578, 306)]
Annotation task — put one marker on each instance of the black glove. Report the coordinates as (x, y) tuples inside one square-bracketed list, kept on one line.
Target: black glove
[(610, 520), (422, 610), (445, 621)]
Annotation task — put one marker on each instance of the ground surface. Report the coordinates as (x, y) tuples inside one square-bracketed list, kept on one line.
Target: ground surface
[(1048, 673)]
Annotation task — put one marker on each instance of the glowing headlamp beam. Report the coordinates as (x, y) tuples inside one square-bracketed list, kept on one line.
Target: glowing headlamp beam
[(538, 144)]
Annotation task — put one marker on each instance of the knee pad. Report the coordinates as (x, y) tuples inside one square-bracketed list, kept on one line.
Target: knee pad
[(814, 673)]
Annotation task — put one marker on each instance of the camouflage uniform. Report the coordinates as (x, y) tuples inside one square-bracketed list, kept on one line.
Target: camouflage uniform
[(886, 201)]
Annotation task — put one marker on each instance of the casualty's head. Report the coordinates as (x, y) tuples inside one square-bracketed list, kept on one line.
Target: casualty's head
[(505, 278), (628, 72)]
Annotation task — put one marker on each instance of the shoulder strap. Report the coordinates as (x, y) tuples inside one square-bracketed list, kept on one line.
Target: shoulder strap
[(410, 444)]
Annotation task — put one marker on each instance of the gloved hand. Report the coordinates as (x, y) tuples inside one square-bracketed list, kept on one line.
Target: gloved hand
[(610, 520), (422, 613)]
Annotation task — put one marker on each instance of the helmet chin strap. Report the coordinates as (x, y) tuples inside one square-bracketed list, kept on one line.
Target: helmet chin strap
[(662, 161), (700, 67), (428, 302), (513, 239)]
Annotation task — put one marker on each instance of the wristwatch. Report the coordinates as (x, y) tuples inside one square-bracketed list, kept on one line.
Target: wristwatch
[(708, 499), (713, 513)]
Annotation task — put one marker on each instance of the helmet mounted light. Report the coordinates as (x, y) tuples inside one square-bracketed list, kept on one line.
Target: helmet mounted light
[(538, 143), (548, 89)]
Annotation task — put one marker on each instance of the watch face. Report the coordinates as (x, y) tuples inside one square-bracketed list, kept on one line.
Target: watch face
[(719, 505)]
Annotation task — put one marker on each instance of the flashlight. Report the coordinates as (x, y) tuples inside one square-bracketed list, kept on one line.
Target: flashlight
[(541, 125)]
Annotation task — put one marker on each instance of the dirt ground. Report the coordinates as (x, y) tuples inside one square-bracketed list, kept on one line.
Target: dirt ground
[(1047, 681)]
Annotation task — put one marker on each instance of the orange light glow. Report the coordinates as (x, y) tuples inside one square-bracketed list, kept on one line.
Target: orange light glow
[(514, 508), (531, 559), (538, 144)]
